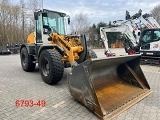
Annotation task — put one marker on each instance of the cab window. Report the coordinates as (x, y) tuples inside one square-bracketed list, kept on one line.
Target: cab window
[(146, 37), (156, 35)]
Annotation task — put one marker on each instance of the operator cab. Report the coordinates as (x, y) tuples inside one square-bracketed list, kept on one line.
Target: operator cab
[(150, 42), (48, 21)]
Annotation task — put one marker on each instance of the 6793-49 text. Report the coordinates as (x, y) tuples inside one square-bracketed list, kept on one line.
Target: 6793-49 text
[(30, 103)]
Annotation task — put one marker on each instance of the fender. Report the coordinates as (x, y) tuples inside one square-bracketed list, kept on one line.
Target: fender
[(30, 48), (50, 46)]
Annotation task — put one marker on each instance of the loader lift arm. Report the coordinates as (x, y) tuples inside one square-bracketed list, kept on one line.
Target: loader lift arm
[(72, 46)]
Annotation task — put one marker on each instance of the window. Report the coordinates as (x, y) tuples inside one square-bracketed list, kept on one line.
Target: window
[(54, 22), (38, 31), (146, 37), (156, 35)]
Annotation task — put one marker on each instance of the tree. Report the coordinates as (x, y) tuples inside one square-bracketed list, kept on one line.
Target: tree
[(9, 20), (110, 24), (114, 38), (101, 24), (92, 36), (80, 24), (32, 6), (16, 21), (156, 13), (22, 6), (28, 7)]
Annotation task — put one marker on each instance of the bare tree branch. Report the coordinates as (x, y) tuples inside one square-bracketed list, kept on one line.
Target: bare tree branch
[(156, 13), (80, 23)]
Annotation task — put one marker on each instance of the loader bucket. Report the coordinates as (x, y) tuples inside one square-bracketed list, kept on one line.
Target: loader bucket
[(108, 86)]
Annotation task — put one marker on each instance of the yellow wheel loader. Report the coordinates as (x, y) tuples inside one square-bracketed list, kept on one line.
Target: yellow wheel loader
[(106, 86)]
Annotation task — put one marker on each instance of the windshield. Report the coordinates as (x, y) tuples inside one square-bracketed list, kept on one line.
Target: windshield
[(146, 37), (54, 22), (156, 35)]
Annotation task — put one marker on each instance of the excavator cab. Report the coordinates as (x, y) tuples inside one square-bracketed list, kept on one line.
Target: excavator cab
[(48, 21)]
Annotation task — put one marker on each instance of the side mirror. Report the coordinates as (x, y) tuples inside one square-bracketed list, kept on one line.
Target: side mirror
[(69, 21), (35, 15)]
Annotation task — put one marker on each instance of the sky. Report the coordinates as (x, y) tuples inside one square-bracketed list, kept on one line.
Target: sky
[(101, 10)]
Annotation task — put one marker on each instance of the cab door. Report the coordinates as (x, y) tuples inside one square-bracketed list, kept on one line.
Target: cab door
[(38, 28), (155, 44), (146, 39)]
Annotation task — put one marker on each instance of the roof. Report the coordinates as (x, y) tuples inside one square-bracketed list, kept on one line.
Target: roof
[(61, 13)]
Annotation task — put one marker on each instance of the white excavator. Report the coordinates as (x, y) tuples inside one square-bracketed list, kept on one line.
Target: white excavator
[(149, 41), (146, 42), (128, 29)]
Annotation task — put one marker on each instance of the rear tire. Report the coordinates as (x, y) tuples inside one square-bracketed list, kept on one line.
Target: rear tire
[(51, 66), (27, 60)]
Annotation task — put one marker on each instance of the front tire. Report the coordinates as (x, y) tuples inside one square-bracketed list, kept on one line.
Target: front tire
[(27, 60), (51, 66)]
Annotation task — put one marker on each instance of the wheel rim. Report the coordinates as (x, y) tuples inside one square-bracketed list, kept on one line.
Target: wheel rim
[(45, 67), (23, 58)]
